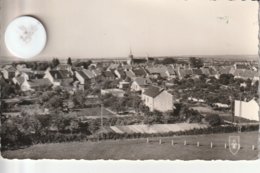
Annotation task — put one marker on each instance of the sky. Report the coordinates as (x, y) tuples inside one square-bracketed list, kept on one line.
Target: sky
[(109, 28)]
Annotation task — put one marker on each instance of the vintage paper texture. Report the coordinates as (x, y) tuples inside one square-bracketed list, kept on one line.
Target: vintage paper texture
[(135, 80)]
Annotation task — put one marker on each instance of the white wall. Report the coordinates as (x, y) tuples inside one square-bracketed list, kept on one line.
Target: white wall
[(249, 110)]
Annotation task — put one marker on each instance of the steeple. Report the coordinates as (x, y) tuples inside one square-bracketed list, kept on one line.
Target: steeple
[(130, 57)]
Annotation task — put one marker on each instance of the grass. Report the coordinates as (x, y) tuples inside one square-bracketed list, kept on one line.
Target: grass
[(94, 112), (134, 149)]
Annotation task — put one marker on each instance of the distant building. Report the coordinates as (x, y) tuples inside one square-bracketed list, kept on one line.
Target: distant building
[(123, 85), (158, 99), (132, 61), (248, 110), (8, 72), (59, 77), (62, 67), (35, 84), (140, 84)]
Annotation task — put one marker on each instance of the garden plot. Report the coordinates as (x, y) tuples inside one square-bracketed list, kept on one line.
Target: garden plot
[(157, 128)]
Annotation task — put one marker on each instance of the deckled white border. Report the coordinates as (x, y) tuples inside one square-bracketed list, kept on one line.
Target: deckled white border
[(64, 166), (259, 76)]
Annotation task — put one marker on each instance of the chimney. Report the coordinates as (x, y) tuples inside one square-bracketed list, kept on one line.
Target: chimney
[(55, 75)]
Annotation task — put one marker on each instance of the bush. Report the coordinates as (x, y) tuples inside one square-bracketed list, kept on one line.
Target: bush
[(214, 120)]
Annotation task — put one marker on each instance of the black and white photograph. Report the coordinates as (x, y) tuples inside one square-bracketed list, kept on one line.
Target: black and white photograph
[(129, 79)]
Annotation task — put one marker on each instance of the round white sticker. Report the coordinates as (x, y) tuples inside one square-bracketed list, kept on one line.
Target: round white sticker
[(25, 37)]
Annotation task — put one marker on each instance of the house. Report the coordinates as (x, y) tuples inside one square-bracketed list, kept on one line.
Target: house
[(120, 73), (89, 74), (182, 73), (158, 99), (35, 84), (133, 61), (244, 74), (97, 72), (8, 72), (139, 72), (59, 77), (19, 80), (123, 85), (139, 84), (113, 66), (130, 74), (108, 75), (248, 110), (81, 77), (196, 73), (171, 72), (157, 71), (126, 67), (64, 67)]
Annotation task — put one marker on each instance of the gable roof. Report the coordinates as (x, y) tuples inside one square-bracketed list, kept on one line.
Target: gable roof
[(171, 70), (20, 79), (82, 74), (197, 71), (40, 82), (157, 70), (108, 74), (153, 91), (142, 81), (121, 72), (205, 71), (9, 68), (245, 73), (139, 71), (184, 72), (88, 73), (130, 74), (60, 74)]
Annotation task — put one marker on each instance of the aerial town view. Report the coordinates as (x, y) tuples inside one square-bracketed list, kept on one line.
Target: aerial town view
[(132, 82), (140, 101)]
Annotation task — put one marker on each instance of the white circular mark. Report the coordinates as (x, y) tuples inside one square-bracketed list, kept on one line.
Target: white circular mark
[(25, 37)]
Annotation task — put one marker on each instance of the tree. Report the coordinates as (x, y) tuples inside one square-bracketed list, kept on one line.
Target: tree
[(226, 79), (69, 62), (55, 62), (7, 89), (196, 62), (213, 119), (55, 102), (79, 99), (168, 61)]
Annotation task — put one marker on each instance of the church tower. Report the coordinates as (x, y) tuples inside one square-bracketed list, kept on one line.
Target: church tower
[(130, 58)]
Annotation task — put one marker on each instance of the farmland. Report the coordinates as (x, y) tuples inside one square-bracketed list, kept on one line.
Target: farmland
[(156, 128), (94, 112), (139, 149)]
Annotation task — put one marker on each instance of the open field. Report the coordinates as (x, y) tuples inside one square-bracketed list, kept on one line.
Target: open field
[(156, 128), (139, 149), (94, 112)]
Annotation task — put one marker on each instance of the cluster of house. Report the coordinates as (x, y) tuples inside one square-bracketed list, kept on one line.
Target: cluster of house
[(140, 75)]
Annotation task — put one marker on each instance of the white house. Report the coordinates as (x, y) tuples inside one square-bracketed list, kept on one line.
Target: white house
[(35, 84), (82, 77), (140, 83), (158, 99), (59, 78), (248, 110)]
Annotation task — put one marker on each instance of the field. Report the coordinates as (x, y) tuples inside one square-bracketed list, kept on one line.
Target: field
[(156, 128), (94, 112), (133, 149)]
